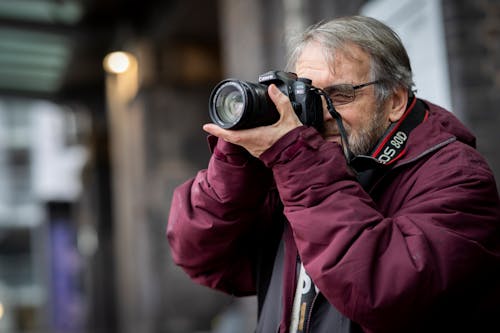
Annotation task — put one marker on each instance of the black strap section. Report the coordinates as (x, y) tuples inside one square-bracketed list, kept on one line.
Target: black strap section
[(308, 294), (338, 118), (392, 146)]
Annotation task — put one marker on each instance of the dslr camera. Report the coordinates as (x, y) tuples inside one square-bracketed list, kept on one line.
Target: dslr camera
[(236, 104)]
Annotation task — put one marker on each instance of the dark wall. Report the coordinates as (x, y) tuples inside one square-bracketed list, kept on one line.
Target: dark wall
[(472, 31)]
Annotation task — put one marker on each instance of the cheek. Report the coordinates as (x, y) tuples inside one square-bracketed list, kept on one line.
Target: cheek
[(352, 118), (357, 115)]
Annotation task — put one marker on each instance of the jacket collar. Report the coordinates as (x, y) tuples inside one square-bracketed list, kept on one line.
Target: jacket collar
[(421, 135)]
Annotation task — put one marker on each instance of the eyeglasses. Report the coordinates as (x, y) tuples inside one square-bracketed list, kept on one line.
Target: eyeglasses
[(341, 94)]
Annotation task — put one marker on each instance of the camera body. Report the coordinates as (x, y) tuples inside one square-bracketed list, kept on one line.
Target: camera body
[(238, 104)]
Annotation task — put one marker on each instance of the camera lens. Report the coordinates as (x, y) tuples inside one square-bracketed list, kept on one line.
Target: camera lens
[(230, 104), (238, 104)]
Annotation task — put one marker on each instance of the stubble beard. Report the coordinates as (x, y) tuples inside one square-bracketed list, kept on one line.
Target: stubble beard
[(363, 141)]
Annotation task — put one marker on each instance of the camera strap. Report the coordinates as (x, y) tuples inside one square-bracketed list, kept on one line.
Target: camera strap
[(338, 118), (392, 146)]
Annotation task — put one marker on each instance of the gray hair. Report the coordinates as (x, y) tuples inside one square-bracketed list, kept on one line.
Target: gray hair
[(389, 61)]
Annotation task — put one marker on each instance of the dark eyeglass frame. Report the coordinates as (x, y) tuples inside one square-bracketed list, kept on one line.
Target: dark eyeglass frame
[(329, 91)]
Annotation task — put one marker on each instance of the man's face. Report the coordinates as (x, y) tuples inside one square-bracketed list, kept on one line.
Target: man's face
[(363, 119)]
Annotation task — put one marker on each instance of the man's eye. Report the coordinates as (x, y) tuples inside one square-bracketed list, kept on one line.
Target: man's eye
[(341, 96)]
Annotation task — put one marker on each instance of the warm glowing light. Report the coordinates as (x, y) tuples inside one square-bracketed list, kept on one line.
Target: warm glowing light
[(118, 62), (1, 311)]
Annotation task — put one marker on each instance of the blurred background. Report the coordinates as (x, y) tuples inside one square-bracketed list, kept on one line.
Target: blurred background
[(101, 107)]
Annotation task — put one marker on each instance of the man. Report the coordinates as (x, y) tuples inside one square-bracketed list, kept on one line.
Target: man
[(402, 238)]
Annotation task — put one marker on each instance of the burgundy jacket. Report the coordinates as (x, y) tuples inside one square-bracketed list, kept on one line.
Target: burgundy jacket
[(417, 251)]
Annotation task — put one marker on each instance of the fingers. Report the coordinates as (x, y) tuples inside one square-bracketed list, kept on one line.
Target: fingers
[(288, 117), (280, 100)]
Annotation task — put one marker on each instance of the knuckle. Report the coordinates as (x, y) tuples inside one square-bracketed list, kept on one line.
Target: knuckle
[(235, 139)]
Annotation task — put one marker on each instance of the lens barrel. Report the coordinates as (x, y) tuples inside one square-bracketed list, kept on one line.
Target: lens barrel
[(238, 104)]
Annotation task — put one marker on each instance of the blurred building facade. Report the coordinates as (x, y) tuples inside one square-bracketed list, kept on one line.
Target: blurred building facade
[(83, 220)]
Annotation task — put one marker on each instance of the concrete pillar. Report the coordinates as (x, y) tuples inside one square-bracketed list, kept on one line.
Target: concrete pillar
[(126, 128)]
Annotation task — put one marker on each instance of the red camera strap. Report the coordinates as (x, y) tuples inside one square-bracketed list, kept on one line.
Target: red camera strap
[(392, 146)]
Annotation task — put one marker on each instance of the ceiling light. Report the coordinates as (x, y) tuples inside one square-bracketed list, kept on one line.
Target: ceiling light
[(118, 62)]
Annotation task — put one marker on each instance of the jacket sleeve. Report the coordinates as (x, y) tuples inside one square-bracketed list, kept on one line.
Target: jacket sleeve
[(213, 218), (383, 271)]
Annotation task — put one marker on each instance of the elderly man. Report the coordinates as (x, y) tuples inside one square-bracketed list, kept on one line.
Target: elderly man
[(404, 237)]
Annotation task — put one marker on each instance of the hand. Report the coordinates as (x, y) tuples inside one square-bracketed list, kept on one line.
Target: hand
[(258, 140)]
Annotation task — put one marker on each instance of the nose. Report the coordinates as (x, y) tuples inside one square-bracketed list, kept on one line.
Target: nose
[(326, 115)]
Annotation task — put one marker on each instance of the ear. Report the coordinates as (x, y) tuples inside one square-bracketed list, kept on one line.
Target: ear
[(397, 104)]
